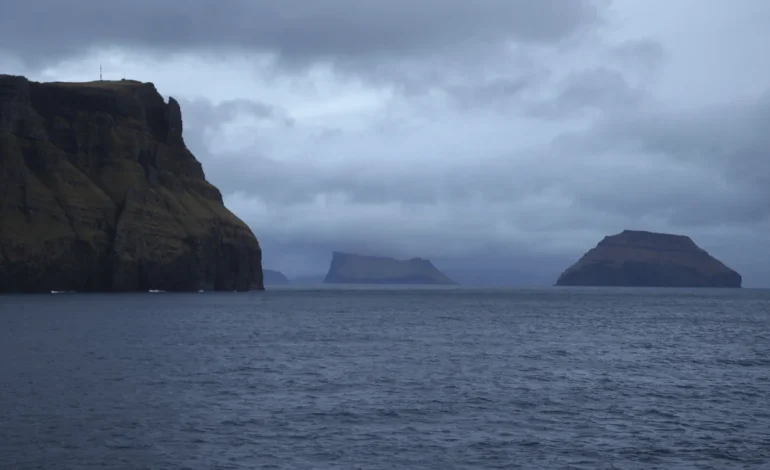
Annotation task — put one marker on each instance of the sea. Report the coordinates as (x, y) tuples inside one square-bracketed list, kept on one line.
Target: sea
[(387, 378)]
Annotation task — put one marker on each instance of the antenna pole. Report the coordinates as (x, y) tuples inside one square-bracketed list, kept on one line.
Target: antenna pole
[(100, 72)]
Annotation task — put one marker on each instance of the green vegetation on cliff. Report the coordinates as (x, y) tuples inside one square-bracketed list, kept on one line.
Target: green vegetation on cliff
[(98, 192)]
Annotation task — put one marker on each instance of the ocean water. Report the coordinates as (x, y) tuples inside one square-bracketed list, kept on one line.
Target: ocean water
[(368, 378)]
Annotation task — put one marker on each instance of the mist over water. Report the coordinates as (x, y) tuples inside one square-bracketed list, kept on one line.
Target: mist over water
[(382, 378)]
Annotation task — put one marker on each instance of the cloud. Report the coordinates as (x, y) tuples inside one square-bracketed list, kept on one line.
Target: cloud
[(470, 52), (398, 199), (638, 52), (296, 31), (603, 89)]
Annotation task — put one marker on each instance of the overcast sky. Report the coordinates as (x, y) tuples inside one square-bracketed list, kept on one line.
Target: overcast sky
[(494, 132)]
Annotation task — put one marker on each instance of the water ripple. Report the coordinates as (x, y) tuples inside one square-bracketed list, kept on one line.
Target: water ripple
[(456, 379)]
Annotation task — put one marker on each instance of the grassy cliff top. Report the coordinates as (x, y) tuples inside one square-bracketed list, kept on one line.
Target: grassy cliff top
[(116, 85)]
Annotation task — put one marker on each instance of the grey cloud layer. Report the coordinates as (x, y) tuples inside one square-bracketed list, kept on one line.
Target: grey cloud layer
[(296, 30), (687, 170)]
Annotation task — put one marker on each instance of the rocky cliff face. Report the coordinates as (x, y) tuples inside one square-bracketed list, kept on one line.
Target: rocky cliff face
[(347, 268), (98, 192), (648, 259)]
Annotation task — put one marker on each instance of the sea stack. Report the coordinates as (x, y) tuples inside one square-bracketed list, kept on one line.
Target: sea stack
[(636, 258), (348, 268), (98, 192)]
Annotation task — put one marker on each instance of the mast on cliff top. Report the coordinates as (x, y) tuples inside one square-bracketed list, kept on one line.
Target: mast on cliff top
[(100, 72)]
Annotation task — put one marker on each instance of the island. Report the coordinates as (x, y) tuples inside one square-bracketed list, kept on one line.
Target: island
[(637, 258), (349, 268), (274, 278), (99, 193)]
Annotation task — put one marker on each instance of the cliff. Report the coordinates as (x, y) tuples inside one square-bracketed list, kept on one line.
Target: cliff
[(98, 192), (349, 268), (648, 259), (275, 278)]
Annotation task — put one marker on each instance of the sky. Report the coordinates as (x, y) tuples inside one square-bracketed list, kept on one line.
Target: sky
[(493, 136)]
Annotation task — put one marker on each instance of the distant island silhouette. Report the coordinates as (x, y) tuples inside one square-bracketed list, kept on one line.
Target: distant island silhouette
[(637, 258), (349, 268)]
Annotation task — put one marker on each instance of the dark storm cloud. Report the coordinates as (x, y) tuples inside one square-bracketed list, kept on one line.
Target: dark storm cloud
[(299, 31)]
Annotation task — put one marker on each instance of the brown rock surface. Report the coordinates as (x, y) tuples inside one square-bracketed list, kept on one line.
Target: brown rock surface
[(98, 192), (648, 259)]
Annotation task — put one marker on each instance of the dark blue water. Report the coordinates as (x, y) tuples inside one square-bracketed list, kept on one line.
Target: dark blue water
[(383, 379)]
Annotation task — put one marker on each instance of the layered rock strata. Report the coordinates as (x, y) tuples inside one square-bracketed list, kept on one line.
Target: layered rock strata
[(98, 192)]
